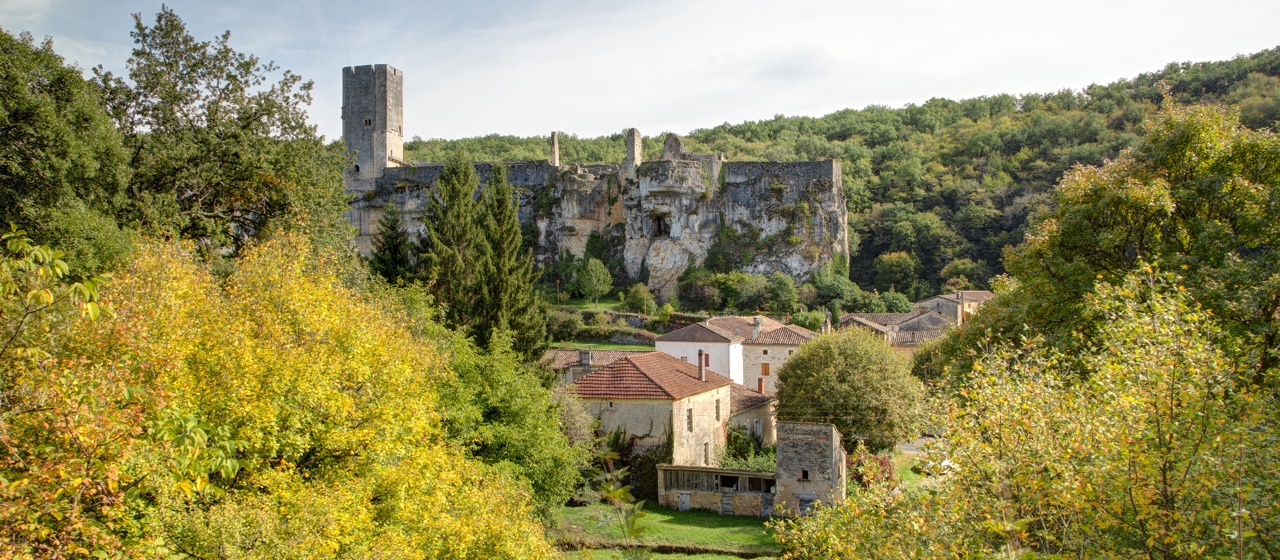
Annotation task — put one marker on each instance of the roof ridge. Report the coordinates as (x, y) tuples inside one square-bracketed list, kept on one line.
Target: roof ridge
[(646, 374)]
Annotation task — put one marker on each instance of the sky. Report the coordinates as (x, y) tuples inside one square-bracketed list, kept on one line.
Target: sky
[(588, 67)]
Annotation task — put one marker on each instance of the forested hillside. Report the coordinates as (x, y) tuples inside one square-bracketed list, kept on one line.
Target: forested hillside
[(934, 184)]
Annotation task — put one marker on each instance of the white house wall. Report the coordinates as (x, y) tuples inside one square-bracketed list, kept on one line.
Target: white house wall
[(723, 361)]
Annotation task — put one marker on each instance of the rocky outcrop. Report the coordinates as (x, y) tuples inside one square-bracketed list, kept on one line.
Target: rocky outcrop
[(666, 215)]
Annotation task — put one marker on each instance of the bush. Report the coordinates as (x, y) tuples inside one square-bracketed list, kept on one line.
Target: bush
[(871, 470), (564, 325), (638, 299), (811, 320)]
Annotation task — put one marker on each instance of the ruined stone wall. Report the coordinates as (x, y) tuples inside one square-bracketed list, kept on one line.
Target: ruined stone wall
[(666, 215)]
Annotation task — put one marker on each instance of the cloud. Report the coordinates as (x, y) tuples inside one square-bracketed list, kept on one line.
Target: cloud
[(17, 13)]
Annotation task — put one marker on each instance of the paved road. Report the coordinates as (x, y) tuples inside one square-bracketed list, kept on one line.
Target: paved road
[(914, 446)]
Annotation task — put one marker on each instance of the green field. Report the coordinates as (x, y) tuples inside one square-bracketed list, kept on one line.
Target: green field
[(705, 533), (581, 345), (607, 303), (902, 463)]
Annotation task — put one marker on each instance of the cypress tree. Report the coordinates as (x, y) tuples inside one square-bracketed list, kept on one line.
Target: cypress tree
[(392, 256), (453, 251), (507, 284)]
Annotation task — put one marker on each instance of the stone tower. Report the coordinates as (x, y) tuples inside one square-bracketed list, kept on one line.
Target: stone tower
[(372, 122)]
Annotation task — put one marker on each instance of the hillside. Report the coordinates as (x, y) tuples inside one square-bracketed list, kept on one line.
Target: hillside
[(945, 180)]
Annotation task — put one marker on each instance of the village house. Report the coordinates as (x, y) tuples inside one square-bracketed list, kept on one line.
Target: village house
[(755, 411), (748, 349), (958, 306), (573, 365), (652, 396), (903, 331)]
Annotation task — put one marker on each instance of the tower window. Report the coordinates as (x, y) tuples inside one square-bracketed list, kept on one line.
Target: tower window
[(804, 475), (368, 122), (357, 169)]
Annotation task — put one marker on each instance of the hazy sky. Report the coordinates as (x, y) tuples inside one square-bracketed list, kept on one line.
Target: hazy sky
[(593, 67)]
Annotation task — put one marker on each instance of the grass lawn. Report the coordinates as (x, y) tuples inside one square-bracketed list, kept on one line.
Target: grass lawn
[(608, 346), (703, 531), (607, 303), (902, 463)]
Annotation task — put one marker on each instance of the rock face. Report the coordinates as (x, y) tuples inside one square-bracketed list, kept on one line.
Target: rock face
[(664, 216)]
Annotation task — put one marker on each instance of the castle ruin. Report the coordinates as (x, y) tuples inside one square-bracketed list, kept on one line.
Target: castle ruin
[(664, 216)]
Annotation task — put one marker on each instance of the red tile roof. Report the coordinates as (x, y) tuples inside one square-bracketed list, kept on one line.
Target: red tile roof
[(787, 335), (654, 375)]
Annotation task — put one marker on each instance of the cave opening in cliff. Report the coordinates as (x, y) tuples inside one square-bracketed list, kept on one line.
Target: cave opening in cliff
[(660, 226)]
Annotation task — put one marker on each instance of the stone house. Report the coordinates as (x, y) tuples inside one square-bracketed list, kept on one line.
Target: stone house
[(573, 365), (811, 466), (652, 396), (957, 307), (748, 349), (903, 331), (755, 411)]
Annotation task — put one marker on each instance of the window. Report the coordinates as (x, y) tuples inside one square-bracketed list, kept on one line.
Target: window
[(610, 404), (757, 430), (764, 369), (688, 420), (764, 352), (804, 475), (717, 410), (368, 122), (706, 454), (706, 360), (790, 352), (684, 359), (357, 169)]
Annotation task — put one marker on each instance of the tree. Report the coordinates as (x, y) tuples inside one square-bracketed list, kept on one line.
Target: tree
[(782, 294), (593, 280), (63, 167), (965, 272), (1159, 450), (453, 251), (853, 379), (392, 257), (896, 271), (895, 302), (219, 154), (639, 300), (507, 285)]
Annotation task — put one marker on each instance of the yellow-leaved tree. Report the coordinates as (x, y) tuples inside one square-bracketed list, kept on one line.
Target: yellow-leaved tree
[(276, 413)]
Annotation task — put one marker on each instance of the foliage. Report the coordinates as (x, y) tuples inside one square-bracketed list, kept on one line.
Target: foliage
[(1160, 450), (948, 179), (638, 299), (134, 441), (895, 302), (499, 411), (593, 280), (854, 380), (811, 320), (63, 167), (871, 470), (392, 257), (743, 451), (1197, 194), (781, 294), (509, 302), (219, 154)]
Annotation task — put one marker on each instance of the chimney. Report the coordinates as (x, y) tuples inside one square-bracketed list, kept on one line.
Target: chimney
[(755, 326), (960, 315), (555, 149), (702, 370), (584, 358)]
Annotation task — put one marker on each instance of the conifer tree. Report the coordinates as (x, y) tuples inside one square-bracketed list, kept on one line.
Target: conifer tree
[(509, 302), (392, 256), (453, 251)]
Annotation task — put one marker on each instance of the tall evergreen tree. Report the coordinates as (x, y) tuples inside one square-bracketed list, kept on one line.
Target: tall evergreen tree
[(392, 256), (453, 251), (509, 302)]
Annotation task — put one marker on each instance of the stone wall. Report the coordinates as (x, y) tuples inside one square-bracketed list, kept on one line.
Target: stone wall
[(753, 356), (666, 214), (766, 414), (811, 466), (688, 445)]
